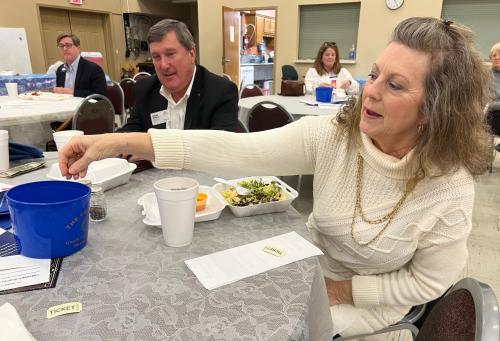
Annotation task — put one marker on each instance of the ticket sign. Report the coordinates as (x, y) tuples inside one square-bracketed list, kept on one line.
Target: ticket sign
[(76, 2)]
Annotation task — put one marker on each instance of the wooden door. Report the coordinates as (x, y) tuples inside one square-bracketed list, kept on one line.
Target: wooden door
[(231, 43), (54, 22), (89, 27), (259, 24)]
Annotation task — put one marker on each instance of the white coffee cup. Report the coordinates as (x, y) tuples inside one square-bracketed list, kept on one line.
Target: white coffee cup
[(176, 198), (62, 137), (11, 89), (4, 150)]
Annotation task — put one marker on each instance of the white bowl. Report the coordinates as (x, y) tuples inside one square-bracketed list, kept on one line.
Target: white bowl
[(215, 205), (268, 207), (107, 173)]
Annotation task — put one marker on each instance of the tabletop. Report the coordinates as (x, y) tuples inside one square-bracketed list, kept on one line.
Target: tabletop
[(28, 82), (292, 104), (132, 286), (28, 120)]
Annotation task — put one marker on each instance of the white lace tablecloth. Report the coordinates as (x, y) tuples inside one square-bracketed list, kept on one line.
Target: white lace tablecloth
[(28, 121), (292, 104), (133, 287)]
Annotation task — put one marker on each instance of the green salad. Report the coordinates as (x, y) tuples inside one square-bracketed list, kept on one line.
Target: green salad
[(260, 192)]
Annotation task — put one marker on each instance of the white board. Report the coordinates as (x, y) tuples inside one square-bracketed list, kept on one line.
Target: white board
[(14, 54)]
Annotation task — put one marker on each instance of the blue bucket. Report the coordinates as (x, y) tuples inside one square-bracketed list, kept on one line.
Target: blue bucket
[(324, 94), (50, 218)]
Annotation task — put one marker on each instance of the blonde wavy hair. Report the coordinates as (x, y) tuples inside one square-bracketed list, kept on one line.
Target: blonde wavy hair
[(456, 93)]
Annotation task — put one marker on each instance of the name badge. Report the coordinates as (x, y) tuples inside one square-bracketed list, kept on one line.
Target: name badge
[(158, 117)]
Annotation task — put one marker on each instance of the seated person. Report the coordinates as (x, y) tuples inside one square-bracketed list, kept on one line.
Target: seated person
[(494, 107), (77, 76), (393, 181), (327, 67), (182, 95)]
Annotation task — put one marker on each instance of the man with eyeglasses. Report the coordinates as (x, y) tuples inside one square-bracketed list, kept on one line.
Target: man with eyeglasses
[(77, 76)]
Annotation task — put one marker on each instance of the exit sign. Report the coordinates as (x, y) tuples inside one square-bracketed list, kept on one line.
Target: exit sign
[(76, 2)]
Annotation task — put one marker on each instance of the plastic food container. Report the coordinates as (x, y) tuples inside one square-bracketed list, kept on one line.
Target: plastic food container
[(215, 203), (50, 218), (269, 207), (107, 173)]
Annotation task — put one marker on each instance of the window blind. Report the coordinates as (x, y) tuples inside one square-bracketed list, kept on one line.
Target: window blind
[(482, 16), (332, 22)]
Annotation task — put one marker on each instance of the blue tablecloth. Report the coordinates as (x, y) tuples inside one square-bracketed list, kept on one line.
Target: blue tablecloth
[(28, 83)]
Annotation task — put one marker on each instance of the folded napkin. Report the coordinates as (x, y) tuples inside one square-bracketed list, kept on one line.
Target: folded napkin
[(19, 151), (12, 327)]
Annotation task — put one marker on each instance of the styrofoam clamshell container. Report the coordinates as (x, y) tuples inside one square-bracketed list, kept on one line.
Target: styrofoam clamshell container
[(268, 207), (108, 173)]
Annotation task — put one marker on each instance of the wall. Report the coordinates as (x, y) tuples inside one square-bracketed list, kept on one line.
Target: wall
[(15, 13), (375, 25)]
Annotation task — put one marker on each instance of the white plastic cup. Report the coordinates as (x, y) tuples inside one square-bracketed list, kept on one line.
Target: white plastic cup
[(176, 198), (4, 150), (62, 137), (11, 89)]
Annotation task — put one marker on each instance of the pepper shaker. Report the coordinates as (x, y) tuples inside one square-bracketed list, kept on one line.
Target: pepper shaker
[(97, 204)]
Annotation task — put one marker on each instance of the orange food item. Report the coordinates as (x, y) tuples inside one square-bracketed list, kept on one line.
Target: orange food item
[(201, 201)]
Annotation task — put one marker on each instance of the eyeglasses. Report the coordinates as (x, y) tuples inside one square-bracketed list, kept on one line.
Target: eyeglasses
[(65, 46)]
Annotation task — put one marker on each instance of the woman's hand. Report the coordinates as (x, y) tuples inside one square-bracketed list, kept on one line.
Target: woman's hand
[(339, 292), (345, 84), (80, 151), (325, 85)]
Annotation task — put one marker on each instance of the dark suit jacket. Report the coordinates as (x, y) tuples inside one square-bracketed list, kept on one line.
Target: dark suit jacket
[(212, 103), (90, 79)]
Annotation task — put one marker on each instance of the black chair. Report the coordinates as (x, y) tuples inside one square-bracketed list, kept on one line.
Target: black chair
[(117, 97), (127, 85), (141, 75), (251, 90), (467, 312), (267, 115), (288, 72), (241, 127), (94, 115)]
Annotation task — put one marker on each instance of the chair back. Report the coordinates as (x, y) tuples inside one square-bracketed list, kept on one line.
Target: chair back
[(251, 90), (127, 85), (468, 311), (141, 75), (267, 115), (117, 97), (241, 127), (94, 115), (288, 72)]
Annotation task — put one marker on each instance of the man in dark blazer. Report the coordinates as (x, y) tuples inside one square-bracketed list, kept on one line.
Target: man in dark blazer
[(182, 95), (77, 76)]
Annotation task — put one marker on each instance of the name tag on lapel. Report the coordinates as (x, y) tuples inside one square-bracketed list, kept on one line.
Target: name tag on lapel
[(158, 117)]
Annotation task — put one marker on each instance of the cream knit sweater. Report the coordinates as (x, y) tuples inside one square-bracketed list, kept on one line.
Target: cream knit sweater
[(419, 255)]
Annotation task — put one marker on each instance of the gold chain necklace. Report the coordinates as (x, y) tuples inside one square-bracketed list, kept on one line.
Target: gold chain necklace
[(410, 185)]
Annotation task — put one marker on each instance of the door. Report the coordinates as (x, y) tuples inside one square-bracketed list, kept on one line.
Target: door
[(231, 43), (54, 22), (89, 27)]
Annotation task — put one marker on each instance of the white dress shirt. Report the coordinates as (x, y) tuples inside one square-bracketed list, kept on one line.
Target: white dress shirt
[(175, 113), (71, 71)]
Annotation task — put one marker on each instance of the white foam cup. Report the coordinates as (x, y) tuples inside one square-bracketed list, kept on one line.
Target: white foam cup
[(176, 198), (4, 150), (62, 137), (11, 89)]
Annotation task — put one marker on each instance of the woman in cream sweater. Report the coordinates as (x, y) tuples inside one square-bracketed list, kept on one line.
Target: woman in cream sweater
[(327, 68), (393, 180)]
